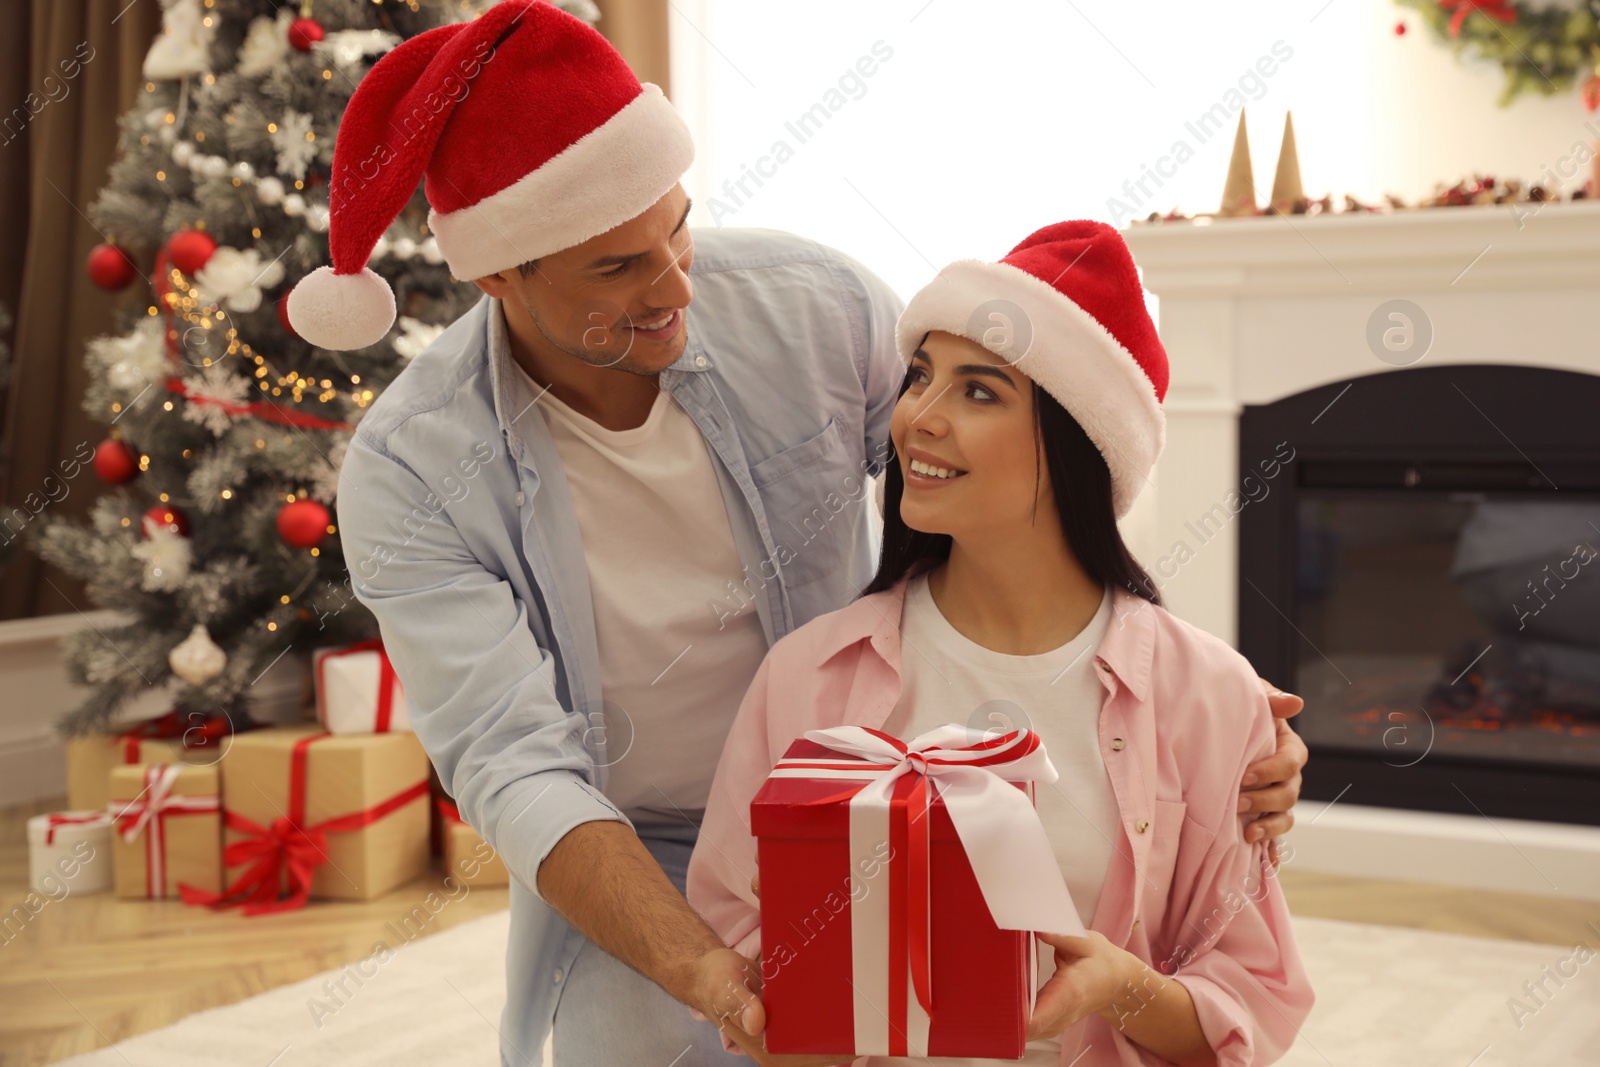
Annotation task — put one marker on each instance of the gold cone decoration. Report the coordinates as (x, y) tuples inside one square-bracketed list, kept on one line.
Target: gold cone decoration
[(1239, 195), (1287, 192)]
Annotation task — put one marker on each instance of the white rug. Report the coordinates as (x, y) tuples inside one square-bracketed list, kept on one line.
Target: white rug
[(1385, 996)]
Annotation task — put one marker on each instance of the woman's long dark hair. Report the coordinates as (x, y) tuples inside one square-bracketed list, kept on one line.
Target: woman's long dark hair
[(1081, 483)]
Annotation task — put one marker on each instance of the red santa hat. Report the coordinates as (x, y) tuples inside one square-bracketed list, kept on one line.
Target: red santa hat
[(1064, 307), (532, 133)]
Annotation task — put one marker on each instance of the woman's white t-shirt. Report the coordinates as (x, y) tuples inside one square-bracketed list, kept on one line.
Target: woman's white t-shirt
[(948, 678)]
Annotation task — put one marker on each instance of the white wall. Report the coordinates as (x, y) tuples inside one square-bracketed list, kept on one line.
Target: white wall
[(991, 120)]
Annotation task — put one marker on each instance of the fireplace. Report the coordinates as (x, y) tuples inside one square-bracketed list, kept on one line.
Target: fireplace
[(1426, 573)]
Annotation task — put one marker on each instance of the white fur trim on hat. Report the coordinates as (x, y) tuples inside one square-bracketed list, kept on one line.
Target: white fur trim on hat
[(1068, 354), (341, 312), (603, 179)]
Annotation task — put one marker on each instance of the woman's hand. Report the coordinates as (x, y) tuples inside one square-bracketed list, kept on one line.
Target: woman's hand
[(1090, 974), (1272, 785)]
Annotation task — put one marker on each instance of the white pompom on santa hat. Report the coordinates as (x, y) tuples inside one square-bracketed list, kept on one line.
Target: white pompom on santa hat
[(1064, 307), (533, 136)]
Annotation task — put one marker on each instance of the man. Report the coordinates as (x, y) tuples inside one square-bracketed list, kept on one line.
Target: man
[(586, 511)]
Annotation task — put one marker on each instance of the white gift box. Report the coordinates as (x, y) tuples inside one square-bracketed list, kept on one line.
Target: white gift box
[(358, 691), (69, 850)]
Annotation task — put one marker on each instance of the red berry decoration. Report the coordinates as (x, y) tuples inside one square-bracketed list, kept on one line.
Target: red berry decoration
[(189, 250), (1399, 29), (303, 524), (111, 268), (115, 462), (303, 33), (170, 517), (283, 316)]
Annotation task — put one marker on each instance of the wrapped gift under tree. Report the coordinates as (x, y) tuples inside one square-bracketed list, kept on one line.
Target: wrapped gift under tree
[(69, 852), (176, 737), (311, 814), (358, 691), (467, 856), (901, 886), (168, 829)]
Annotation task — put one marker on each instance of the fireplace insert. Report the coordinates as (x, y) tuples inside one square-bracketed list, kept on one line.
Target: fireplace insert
[(1426, 573)]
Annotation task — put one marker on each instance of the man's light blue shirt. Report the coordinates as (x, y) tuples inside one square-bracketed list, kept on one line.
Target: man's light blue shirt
[(460, 536)]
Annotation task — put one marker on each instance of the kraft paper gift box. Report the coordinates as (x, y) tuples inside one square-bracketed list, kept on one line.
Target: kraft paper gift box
[(312, 814), (358, 691), (468, 858), (858, 849), (69, 852), (168, 829), (172, 738)]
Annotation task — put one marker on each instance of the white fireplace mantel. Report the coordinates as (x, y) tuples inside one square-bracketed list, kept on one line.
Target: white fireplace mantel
[(1253, 310)]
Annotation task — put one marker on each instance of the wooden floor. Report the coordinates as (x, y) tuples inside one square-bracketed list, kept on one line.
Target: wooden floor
[(87, 971)]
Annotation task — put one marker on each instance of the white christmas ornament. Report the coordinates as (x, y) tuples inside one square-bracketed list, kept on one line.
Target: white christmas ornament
[(197, 659), (135, 359), (294, 151), (184, 44), (236, 278), (266, 45), (218, 383), (269, 190), (166, 557), (414, 336), (349, 47)]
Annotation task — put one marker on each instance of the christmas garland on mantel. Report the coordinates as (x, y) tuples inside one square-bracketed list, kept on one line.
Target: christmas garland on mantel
[(1544, 47)]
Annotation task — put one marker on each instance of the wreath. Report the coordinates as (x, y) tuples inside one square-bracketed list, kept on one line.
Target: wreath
[(1545, 48)]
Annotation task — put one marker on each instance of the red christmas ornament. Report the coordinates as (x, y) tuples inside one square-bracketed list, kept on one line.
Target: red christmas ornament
[(1399, 29), (115, 462), (1591, 92), (111, 268), (283, 316), (303, 33), (190, 250), (303, 524), (170, 517)]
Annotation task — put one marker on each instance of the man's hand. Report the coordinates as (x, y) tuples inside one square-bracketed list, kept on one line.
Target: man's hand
[(1272, 785), (728, 991)]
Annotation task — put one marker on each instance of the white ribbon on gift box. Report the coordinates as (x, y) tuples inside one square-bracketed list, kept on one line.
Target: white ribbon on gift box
[(999, 829), (146, 811)]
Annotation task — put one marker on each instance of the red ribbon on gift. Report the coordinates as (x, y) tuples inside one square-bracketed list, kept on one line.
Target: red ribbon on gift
[(1499, 10), (170, 726), (64, 819), (147, 814), (386, 680), (448, 810), (288, 848)]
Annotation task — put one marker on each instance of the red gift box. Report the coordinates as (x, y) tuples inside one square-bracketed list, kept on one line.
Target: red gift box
[(863, 841)]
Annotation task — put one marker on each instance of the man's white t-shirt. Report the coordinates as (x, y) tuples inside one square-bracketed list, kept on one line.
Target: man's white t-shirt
[(947, 678), (660, 550)]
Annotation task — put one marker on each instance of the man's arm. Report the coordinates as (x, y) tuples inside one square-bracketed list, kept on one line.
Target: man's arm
[(1271, 786), (481, 697)]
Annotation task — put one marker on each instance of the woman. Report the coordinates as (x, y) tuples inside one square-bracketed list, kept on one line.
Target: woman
[(1027, 423)]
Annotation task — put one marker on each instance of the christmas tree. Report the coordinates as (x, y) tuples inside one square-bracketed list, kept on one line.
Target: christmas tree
[(226, 431)]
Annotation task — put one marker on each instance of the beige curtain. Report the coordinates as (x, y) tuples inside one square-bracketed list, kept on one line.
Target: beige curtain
[(638, 29), (53, 163), (61, 136)]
